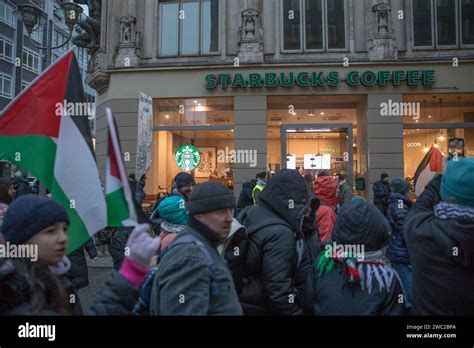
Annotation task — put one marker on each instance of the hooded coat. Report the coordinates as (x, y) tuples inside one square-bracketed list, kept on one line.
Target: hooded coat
[(378, 291), (442, 256), (397, 250), (325, 188), (278, 260)]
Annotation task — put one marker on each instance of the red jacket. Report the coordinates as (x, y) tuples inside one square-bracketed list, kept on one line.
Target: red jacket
[(326, 218), (325, 188)]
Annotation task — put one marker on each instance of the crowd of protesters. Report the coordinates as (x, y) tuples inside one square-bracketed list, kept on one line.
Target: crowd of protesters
[(292, 245)]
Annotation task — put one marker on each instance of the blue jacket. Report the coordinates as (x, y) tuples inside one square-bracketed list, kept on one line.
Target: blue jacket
[(397, 250)]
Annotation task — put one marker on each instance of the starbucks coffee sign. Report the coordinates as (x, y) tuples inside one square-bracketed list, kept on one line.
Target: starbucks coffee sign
[(320, 79), (187, 157)]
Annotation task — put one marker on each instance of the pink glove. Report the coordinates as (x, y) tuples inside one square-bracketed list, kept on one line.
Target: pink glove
[(139, 251)]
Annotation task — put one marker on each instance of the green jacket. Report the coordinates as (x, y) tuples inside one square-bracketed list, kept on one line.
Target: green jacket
[(182, 282)]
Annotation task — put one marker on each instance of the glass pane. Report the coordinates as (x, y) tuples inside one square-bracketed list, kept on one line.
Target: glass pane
[(467, 11), (2, 47), (8, 50), (446, 22), (314, 24), (216, 163), (291, 25), (336, 24), (7, 86), (190, 28), (422, 22), (169, 29), (210, 25), (193, 111)]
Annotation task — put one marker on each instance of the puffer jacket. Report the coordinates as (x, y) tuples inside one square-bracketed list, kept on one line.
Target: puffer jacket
[(278, 261), (325, 188), (184, 273), (441, 248), (397, 250)]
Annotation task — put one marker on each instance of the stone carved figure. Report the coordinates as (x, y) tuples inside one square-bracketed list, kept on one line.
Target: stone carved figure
[(250, 37), (127, 29), (381, 42), (90, 38)]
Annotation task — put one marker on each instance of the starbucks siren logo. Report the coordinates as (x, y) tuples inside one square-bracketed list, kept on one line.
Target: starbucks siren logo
[(187, 157)]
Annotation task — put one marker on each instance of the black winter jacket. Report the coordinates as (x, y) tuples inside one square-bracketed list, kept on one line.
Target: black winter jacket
[(398, 207), (382, 192), (272, 273), (442, 257), (245, 198), (79, 272)]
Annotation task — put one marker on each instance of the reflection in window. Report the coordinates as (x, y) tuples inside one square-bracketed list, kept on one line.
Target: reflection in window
[(189, 27), (446, 22), (314, 24), (310, 15), (422, 22), (291, 24), (467, 13)]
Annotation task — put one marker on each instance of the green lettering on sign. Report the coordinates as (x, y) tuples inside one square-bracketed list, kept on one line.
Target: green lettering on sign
[(302, 79), (270, 80), (238, 81)]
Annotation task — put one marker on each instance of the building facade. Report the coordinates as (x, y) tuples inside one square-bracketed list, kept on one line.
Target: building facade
[(21, 62), (359, 87)]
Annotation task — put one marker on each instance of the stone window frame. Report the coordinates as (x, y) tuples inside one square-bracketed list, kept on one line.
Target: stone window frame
[(325, 30), (434, 29), (199, 54)]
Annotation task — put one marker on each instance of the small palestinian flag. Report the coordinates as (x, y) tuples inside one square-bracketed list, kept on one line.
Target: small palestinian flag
[(121, 209), (45, 130), (431, 164)]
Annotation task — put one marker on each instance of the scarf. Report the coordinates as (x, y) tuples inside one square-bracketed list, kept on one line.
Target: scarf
[(172, 228), (446, 211), (340, 187), (359, 270), (61, 268)]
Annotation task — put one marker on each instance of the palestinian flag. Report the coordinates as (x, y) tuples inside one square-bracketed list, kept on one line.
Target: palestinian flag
[(431, 164), (121, 209), (42, 132)]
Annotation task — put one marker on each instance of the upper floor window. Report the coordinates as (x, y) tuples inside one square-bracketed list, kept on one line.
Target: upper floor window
[(5, 86), (443, 23), (36, 34), (6, 49), (314, 25), (31, 60), (58, 39), (6, 13), (189, 27)]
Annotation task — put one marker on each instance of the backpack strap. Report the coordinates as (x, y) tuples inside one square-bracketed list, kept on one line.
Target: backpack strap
[(190, 238)]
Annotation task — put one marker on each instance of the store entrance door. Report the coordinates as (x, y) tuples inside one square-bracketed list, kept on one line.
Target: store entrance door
[(318, 147)]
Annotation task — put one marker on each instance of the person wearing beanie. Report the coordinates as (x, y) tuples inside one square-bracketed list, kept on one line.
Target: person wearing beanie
[(353, 275), (184, 184), (175, 218), (191, 267), (278, 261), (382, 192), (37, 284), (440, 239), (399, 205)]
